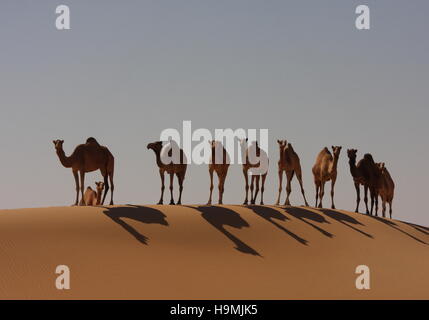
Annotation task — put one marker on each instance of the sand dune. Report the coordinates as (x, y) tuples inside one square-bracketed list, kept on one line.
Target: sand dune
[(218, 252)]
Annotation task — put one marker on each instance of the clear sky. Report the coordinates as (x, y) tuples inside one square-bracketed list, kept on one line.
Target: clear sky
[(129, 69)]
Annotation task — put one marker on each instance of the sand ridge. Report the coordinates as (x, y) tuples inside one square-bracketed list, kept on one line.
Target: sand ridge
[(209, 252)]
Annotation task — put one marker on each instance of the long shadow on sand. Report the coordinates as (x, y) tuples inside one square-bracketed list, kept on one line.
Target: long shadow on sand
[(345, 220), (422, 229), (395, 226), (219, 217), (304, 215), (270, 214), (138, 213)]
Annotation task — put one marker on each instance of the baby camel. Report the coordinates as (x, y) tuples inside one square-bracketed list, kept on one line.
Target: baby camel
[(92, 197), (325, 169)]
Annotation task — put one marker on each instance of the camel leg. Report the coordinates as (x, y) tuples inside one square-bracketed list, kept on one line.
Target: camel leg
[(371, 193), (317, 184), (384, 207), (289, 177), (112, 188), (82, 182), (366, 198), (252, 187), (211, 187), (256, 189), (171, 188), (161, 174), (106, 186), (299, 177), (322, 192), (246, 188), (357, 187), (280, 186), (221, 179), (180, 177), (390, 209), (263, 188), (376, 202), (332, 192), (76, 180)]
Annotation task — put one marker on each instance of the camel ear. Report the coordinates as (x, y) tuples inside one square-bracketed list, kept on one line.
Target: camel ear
[(62, 141), (54, 142), (278, 141)]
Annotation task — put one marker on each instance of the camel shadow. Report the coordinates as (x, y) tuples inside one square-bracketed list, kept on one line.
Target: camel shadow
[(395, 226), (345, 220), (304, 215), (219, 217), (422, 229), (138, 213), (269, 214)]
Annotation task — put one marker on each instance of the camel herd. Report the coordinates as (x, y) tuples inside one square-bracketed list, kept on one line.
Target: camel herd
[(374, 177)]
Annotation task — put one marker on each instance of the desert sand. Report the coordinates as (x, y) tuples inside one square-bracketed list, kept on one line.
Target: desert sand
[(216, 252)]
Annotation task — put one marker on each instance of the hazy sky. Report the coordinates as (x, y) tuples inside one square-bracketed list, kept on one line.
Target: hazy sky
[(129, 69)]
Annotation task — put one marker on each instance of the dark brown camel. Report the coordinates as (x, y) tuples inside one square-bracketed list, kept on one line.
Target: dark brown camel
[(365, 173), (174, 166), (88, 157)]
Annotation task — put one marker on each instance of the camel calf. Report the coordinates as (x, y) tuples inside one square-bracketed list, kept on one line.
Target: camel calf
[(92, 197)]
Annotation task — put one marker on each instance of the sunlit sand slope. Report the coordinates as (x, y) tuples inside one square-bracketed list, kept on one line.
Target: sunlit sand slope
[(216, 252)]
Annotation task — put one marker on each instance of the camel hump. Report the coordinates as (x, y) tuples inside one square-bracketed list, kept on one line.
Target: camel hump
[(92, 140), (368, 157)]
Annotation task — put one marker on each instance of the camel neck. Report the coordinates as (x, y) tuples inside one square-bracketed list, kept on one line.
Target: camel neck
[(334, 164), (158, 158), (65, 161), (98, 197), (352, 163)]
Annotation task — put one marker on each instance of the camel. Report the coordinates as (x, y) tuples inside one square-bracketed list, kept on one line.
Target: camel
[(386, 188), (171, 159), (361, 174), (257, 169), (219, 163), (290, 164), (88, 157), (325, 169), (92, 197)]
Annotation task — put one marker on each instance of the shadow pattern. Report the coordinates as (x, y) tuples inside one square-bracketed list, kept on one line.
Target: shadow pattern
[(395, 226), (270, 214), (219, 217), (345, 220), (304, 215), (138, 213)]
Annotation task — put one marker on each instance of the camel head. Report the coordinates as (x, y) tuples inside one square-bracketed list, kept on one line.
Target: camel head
[(381, 166), (336, 150), (100, 187), (58, 144), (282, 144), (351, 153), (155, 146)]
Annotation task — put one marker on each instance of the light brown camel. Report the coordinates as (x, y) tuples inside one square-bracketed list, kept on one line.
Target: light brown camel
[(364, 173), (88, 157), (92, 197), (257, 169), (386, 188), (290, 164), (176, 165), (219, 163), (325, 169)]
